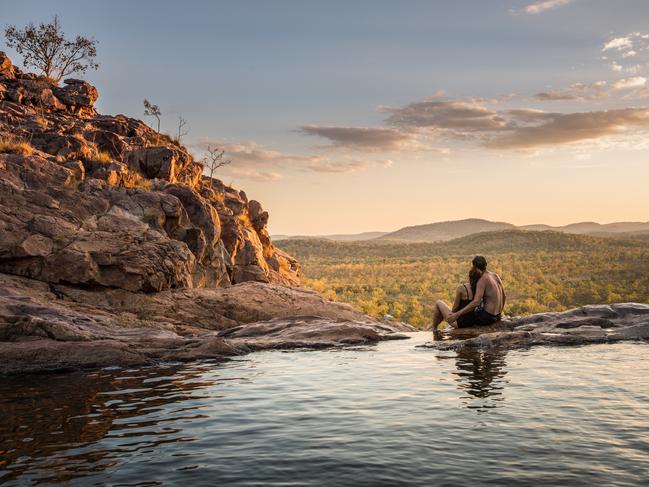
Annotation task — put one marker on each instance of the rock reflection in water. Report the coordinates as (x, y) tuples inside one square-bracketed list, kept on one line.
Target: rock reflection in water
[(391, 414), (51, 423)]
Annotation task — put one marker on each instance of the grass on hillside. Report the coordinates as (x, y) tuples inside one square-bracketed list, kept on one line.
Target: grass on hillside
[(12, 146), (542, 271)]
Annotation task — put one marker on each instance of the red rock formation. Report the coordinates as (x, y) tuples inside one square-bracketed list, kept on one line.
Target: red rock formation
[(107, 201)]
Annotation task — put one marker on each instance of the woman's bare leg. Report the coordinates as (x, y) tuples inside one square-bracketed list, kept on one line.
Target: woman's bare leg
[(442, 310)]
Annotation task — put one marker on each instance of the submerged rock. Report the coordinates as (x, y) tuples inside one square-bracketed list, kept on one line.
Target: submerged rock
[(588, 324)]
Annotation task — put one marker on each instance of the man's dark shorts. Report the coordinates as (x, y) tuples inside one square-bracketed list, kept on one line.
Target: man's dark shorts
[(479, 317)]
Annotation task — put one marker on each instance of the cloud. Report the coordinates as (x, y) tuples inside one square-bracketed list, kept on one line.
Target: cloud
[(576, 92), (564, 128), (627, 53), (254, 162), (365, 138), (327, 166), (465, 115), (545, 5), (525, 128), (619, 43), (635, 82), (253, 175)]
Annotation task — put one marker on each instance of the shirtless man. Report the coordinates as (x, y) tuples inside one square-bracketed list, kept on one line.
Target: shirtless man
[(489, 299)]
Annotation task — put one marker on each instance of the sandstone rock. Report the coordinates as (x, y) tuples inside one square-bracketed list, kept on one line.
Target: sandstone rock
[(110, 202), (79, 95), (588, 324), (95, 243), (77, 168), (307, 332), (49, 101), (156, 162), (6, 67), (63, 327), (108, 142), (212, 269)]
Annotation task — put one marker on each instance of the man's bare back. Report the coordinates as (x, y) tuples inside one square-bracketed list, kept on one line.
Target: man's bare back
[(493, 299)]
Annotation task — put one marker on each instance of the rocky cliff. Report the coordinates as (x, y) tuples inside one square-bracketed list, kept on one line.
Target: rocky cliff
[(116, 249), (99, 200)]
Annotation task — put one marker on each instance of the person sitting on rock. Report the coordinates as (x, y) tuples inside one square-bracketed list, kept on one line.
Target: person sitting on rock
[(483, 307), (463, 296)]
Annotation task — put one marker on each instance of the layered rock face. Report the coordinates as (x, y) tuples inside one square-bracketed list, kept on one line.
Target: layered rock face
[(115, 249), (105, 201)]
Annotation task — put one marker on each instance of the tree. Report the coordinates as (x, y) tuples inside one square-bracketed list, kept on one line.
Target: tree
[(182, 131), (214, 160), (46, 48), (151, 110)]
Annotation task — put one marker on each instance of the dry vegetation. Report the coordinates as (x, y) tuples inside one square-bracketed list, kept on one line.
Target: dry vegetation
[(15, 146)]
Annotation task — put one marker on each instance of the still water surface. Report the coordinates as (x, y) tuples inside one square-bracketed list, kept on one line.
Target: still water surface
[(389, 414)]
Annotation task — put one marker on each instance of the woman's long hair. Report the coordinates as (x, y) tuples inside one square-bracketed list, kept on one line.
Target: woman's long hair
[(474, 277)]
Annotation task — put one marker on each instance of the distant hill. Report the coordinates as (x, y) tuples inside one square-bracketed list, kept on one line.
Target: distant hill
[(488, 243), (592, 228), (449, 230), (443, 231), (351, 237)]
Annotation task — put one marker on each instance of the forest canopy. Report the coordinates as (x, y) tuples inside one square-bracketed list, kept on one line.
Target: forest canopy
[(542, 271)]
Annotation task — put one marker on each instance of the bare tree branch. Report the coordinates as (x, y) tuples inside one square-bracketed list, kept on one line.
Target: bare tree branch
[(182, 131), (214, 160)]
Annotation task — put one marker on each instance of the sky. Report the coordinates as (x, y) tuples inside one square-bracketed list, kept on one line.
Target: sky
[(351, 116)]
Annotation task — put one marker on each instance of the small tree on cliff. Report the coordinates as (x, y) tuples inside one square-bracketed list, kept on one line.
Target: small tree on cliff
[(214, 160), (151, 110), (45, 47), (182, 131)]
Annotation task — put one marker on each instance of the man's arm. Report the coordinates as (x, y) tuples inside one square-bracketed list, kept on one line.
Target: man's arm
[(475, 302)]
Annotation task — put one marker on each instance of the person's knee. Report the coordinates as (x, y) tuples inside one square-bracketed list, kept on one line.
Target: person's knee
[(439, 303)]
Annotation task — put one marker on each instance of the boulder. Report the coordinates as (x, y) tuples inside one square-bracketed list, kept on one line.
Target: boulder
[(58, 233), (80, 96), (156, 162), (6, 67), (212, 268)]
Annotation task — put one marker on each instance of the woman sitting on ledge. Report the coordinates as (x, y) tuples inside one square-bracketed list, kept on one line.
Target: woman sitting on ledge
[(478, 304)]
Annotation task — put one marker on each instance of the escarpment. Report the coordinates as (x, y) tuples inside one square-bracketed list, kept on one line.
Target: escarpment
[(116, 249), (105, 201)]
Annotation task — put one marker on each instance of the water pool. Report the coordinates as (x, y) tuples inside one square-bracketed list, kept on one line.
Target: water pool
[(388, 414)]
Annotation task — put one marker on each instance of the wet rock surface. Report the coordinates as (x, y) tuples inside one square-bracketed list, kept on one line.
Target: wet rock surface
[(588, 324)]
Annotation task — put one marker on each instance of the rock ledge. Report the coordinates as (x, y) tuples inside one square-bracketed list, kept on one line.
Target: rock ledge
[(588, 324)]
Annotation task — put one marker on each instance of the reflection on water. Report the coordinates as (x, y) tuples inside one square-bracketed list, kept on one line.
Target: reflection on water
[(388, 414), (481, 375), (45, 416)]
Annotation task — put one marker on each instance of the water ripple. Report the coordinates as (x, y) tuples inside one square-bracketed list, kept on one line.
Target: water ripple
[(380, 415)]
